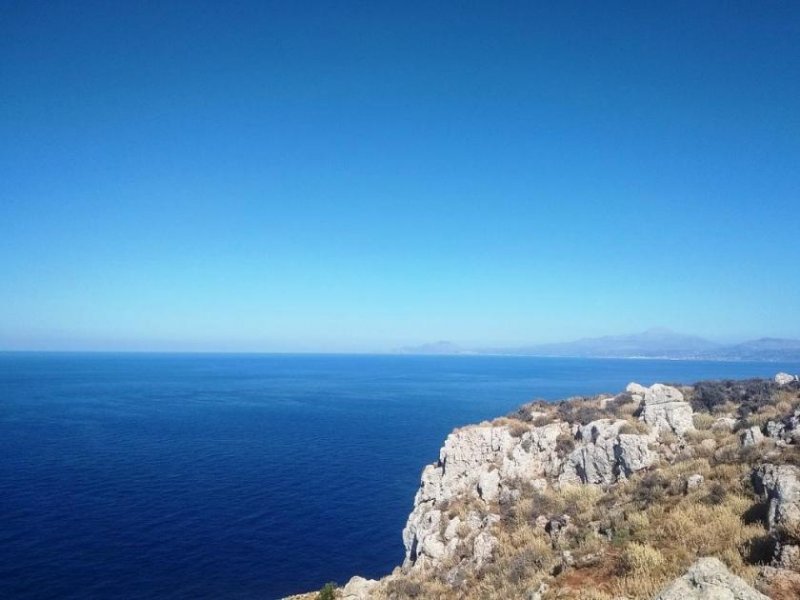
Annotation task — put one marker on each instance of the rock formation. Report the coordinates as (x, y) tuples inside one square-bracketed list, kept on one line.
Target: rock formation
[(665, 410), (709, 579), (780, 488), (643, 441), (486, 463)]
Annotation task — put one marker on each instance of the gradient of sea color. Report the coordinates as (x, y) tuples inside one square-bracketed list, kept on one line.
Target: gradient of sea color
[(244, 476)]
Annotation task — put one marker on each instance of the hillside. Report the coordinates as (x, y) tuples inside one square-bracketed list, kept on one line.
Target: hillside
[(660, 492)]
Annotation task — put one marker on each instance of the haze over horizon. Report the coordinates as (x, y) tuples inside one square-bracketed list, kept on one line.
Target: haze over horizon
[(267, 176)]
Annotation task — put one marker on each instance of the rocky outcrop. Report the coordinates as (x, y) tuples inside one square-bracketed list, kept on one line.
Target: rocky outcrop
[(785, 431), (709, 579), (492, 479), (604, 455), (665, 410), (780, 488), (479, 464), (483, 465)]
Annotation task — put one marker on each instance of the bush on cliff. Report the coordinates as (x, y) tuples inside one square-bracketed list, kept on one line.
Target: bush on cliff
[(328, 592)]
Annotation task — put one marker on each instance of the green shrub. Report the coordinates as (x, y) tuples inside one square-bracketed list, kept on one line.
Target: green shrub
[(328, 592)]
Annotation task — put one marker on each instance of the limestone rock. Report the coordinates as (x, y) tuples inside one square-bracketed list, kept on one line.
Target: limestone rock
[(538, 593), (709, 579), (603, 454), (633, 453), (775, 430), (483, 547), (662, 394), (666, 411), (751, 436), (724, 424), (694, 481), (784, 378), (787, 430), (709, 445), (489, 485), (479, 463), (780, 487), (451, 531), (636, 389), (359, 588)]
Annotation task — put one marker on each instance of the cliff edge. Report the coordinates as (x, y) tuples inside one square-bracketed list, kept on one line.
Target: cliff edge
[(659, 492)]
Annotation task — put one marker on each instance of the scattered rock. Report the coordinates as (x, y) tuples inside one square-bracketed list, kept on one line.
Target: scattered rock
[(539, 592), (775, 430), (709, 579), (709, 445), (751, 436), (694, 481), (724, 424), (359, 588), (787, 430)]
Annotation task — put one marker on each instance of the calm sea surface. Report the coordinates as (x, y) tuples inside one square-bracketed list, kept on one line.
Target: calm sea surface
[(244, 476)]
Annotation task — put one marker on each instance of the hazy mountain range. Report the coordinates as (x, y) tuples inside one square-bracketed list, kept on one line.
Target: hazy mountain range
[(653, 343)]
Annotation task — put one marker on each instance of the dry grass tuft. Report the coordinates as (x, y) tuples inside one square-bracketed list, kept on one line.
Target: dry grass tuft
[(703, 421), (635, 426)]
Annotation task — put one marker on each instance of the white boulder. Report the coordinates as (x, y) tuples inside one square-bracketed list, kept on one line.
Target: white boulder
[(784, 378), (751, 436)]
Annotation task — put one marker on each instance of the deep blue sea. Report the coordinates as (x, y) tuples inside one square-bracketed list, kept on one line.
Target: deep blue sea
[(244, 476)]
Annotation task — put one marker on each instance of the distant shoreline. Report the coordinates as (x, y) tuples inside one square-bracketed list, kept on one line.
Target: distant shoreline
[(110, 353)]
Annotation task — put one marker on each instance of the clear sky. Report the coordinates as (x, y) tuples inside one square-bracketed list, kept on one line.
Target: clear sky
[(355, 176)]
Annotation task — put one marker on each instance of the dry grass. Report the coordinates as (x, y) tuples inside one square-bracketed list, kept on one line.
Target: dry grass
[(703, 421), (635, 426)]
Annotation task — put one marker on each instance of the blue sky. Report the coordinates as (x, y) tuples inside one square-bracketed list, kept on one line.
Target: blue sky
[(359, 176)]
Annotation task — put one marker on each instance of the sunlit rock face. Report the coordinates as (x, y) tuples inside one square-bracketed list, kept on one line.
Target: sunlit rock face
[(664, 409), (479, 466)]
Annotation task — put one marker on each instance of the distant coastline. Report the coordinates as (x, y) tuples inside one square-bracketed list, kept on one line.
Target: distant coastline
[(654, 344)]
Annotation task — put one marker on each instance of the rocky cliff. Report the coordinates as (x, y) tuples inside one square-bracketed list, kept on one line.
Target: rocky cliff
[(657, 492)]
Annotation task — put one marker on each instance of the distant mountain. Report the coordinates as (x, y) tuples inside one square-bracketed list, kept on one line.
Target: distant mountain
[(441, 347), (653, 343)]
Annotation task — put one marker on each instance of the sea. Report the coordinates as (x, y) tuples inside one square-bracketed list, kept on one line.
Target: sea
[(192, 476)]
